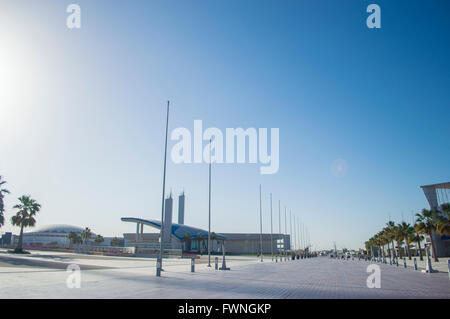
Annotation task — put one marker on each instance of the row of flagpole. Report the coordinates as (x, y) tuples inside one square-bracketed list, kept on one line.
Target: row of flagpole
[(299, 238), (300, 242)]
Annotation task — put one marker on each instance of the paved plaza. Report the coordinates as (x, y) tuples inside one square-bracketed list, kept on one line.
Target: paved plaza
[(44, 275)]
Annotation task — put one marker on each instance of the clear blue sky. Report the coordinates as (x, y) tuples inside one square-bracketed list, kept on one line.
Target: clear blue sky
[(82, 111)]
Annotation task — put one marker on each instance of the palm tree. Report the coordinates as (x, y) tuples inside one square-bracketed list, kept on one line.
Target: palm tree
[(200, 240), (398, 236), (368, 245), (386, 239), (74, 238), (213, 237), (426, 224), (417, 238), (390, 227), (443, 220), (28, 208), (372, 242), (98, 239), (186, 239), (378, 243), (115, 241), (406, 230), (86, 234), (2, 204)]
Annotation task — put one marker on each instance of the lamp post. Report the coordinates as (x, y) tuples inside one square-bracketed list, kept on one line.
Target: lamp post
[(271, 226), (209, 208), (260, 223), (285, 233), (159, 261), (279, 222)]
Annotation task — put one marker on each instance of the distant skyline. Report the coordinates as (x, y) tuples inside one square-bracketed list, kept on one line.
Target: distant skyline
[(362, 113)]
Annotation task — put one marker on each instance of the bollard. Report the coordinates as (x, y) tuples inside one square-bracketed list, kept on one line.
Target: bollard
[(276, 259), (404, 262), (158, 267), (192, 264), (448, 265), (224, 264), (429, 268), (396, 261), (415, 263), (216, 261)]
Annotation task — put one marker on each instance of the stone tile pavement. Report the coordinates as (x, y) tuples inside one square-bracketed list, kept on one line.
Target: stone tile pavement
[(248, 278)]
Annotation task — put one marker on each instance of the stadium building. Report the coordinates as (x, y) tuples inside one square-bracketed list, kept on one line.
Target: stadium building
[(438, 194), (192, 239)]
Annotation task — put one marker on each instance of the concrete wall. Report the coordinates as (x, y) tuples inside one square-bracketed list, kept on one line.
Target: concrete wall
[(250, 243)]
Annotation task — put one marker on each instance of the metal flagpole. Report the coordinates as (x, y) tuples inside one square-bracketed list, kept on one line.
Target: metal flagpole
[(159, 261), (271, 226), (279, 220), (290, 229), (295, 236), (260, 223), (285, 230), (209, 208)]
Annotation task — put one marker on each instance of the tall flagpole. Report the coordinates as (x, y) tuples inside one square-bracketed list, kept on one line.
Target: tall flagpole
[(285, 229), (295, 236), (279, 220), (290, 229), (159, 261), (271, 226), (209, 213), (260, 223)]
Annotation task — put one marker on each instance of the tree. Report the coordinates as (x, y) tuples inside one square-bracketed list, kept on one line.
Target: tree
[(73, 237), (86, 234), (213, 237), (367, 244), (200, 241), (417, 238), (186, 238), (386, 239), (28, 208), (443, 220), (115, 241), (398, 236), (98, 239), (2, 203), (426, 224), (406, 231), (390, 231)]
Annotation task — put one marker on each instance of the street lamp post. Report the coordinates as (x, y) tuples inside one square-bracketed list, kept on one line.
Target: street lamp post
[(285, 233), (209, 209), (279, 222), (271, 226), (260, 223), (159, 261)]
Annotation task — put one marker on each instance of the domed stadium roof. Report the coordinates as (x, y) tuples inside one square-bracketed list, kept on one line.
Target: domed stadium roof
[(56, 228), (177, 230)]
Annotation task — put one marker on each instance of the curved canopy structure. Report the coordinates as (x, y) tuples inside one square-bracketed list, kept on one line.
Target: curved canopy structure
[(178, 231)]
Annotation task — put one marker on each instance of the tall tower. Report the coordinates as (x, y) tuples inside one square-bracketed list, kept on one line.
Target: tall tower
[(168, 219), (181, 209)]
